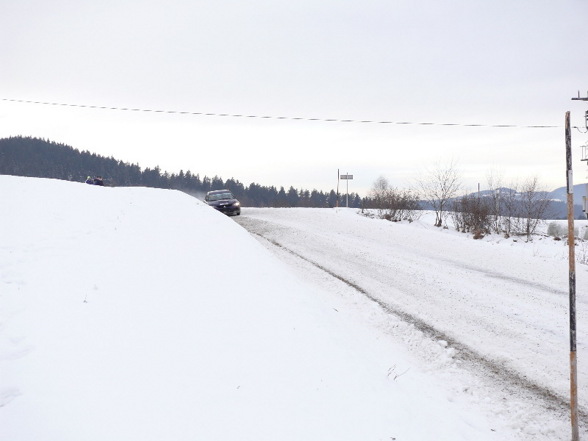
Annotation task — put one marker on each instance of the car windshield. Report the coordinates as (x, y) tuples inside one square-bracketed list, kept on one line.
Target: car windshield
[(220, 196)]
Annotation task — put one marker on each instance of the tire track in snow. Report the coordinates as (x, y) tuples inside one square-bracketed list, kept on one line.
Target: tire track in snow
[(512, 279), (511, 381)]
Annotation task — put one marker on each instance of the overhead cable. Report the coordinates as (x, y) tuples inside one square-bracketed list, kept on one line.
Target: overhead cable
[(290, 118)]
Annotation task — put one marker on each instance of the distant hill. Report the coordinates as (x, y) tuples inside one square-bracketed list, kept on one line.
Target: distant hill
[(558, 207), (561, 194), (34, 157)]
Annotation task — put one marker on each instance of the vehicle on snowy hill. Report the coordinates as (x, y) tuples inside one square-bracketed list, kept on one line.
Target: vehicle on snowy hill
[(223, 201)]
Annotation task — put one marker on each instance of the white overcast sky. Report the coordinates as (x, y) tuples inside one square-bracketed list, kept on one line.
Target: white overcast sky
[(466, 62)]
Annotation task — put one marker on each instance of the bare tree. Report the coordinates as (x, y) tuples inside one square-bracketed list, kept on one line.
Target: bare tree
[(509, 201), (532, 208), (438, 187), (379, 194), (495, 186), (519, 209)]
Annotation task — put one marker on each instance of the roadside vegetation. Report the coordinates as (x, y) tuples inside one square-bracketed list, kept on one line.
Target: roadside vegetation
[(516, 210)]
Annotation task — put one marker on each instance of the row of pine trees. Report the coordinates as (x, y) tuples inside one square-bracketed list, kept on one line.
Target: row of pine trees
[(34, 157)]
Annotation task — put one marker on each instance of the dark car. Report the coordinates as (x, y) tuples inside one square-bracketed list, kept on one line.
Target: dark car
[(223, 201)]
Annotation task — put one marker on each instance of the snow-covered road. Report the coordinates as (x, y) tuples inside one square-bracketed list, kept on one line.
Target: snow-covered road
[(501, 304)]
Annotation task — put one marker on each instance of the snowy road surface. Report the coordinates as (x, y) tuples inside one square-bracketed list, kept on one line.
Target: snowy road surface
[(501, 305)]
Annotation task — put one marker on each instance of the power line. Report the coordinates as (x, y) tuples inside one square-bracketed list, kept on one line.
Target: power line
[(289, 118)]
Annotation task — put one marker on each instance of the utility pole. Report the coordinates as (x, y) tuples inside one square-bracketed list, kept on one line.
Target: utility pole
[(572, 284)]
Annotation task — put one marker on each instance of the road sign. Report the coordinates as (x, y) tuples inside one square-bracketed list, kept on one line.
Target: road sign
[(346, 177)]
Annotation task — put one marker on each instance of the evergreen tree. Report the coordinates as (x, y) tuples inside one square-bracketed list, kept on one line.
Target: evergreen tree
[(292, 197)]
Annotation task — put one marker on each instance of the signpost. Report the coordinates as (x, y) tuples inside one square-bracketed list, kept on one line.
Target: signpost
[(347, 178)]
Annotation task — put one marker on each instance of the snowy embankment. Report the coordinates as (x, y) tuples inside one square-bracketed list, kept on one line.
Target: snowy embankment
[(142, 314)]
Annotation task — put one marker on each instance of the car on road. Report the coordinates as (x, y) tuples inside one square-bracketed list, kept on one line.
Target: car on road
[(223, 201)]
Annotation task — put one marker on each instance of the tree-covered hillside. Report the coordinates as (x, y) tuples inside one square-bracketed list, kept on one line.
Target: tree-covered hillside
[(34, 157)]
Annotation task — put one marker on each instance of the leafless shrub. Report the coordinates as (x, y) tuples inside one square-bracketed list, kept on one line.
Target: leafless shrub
[(471, 213), (394, 204)]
